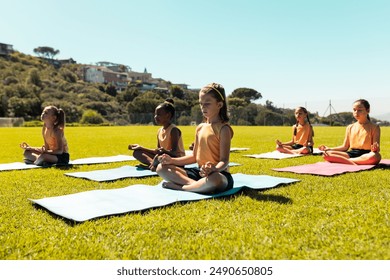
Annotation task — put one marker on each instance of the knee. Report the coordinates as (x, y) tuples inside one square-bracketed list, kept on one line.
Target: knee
[(137, 154), (217, 180), (376, 158), (160, 169), (304, 151), (280, 149), (326, 157)]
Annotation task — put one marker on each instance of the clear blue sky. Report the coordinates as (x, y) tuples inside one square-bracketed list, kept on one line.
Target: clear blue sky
[(295, 52)]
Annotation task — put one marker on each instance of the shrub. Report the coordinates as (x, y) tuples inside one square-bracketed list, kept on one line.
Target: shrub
[(91, 117), (34, 77), (10, 80), (184, 120)]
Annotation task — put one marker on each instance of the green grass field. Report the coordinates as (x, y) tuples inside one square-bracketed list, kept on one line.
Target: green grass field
[(318, 218)]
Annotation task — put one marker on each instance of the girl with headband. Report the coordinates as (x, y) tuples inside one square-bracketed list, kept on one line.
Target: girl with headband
[(211, 149)]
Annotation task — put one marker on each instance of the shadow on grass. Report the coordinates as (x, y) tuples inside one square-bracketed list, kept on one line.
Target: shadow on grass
[(55, 216), (259, 196)]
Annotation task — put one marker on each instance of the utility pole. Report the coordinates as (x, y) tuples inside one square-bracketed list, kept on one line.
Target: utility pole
[(330, 107)]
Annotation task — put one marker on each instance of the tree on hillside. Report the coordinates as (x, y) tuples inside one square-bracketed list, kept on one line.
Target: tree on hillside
[(236, 108), (270, 106), (247, 94), (141, 109), (46, 52), (111, 89), (128, 95), (236, 102), (34, 77), (177, 92)]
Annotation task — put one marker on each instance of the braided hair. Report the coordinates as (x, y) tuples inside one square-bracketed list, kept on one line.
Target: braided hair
[(308, 120), (365, 104)]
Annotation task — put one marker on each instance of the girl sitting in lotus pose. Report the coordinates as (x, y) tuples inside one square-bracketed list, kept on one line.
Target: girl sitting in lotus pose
[(361, 142), (211, 150)]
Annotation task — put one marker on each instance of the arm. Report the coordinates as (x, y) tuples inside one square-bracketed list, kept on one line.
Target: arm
[(226, 137), (37, 150), (224, 147), (175, 137), (27, 147), (45, 146), (309, 141), (289, 143), (375, 147), (139, 147), (343, 148), (179, 161)]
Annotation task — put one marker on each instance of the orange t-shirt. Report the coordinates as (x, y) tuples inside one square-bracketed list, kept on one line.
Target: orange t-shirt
[(361, 136), (304, 134), (165, 140), (208, 136)]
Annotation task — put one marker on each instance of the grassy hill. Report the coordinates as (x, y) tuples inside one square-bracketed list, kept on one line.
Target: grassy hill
[(30, 83)]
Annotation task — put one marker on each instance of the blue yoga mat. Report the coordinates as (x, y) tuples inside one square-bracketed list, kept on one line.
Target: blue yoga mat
[(87, 205), (119, 173), (103, 159)]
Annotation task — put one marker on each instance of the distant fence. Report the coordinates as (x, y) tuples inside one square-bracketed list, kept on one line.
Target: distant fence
[(10, 122)]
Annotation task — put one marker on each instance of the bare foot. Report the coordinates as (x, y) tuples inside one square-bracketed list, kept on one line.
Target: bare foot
[(39, 161), (336, 159), (283, 150), (171, 185), (142, 166)]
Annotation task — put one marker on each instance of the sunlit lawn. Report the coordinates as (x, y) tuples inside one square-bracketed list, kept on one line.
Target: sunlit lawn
[(340, 217)]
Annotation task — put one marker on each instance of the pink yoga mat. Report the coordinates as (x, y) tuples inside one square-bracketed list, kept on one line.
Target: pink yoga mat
[(324, 168), (385, 162)]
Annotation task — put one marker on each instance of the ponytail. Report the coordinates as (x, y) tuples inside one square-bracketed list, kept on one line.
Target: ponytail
[(308, 120), (60, 116), (295, 128)]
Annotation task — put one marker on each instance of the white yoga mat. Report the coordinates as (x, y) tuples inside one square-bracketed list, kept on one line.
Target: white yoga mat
[(113, 173), (17, 166), (235, 149), (90, 160), (88, 205), (119, 173), (274, 155)]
